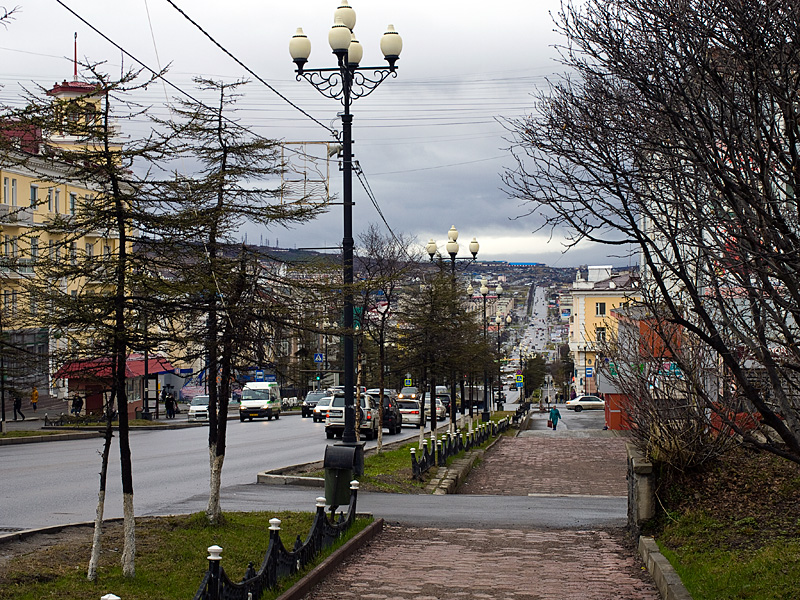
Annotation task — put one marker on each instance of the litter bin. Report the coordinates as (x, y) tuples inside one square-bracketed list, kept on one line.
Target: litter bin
[(339, 463)]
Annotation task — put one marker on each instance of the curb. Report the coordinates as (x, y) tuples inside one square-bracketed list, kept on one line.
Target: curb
[(667, 581), (33, 439), (322, 570), (18, 536)]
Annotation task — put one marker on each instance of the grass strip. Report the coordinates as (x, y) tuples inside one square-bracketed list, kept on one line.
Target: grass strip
[(170, 557)]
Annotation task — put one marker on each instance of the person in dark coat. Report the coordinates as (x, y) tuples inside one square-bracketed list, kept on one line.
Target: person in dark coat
[(18, 407)]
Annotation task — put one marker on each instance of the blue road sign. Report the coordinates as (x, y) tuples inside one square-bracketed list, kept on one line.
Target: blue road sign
[(318, 358), (589, 371)]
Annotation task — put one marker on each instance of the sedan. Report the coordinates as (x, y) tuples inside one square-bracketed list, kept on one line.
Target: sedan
[(321, 409), (586, 403), (412, 414)]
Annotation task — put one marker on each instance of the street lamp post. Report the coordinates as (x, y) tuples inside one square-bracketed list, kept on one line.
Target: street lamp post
[(452, 250), (484, 290), (346, 82)]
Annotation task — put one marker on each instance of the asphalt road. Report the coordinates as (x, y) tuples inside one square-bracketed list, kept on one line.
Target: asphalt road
[(57, 482)]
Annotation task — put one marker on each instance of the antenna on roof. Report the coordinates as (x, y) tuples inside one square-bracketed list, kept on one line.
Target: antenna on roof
[(75, 59)]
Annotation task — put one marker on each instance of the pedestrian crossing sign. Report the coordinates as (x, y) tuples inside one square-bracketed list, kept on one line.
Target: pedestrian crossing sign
[(408, 383)]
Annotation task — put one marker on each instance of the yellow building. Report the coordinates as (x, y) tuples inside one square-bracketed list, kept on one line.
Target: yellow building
[(594, 296), (35, 192)]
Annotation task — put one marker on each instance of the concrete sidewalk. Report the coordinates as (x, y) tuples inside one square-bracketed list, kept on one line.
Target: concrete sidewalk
[(480, 563)]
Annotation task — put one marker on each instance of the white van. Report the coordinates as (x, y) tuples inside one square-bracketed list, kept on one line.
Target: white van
[(260, 399)]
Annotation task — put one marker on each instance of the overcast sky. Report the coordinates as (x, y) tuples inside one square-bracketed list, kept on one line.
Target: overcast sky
[(430, 141)]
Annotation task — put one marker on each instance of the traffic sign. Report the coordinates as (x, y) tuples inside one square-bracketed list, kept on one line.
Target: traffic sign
[(589, 371), (259, 375), (519, 379), (408, 383), (318, 358)]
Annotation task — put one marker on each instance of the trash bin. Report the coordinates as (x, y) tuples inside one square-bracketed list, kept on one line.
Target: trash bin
[(339, 462), (137, 414)]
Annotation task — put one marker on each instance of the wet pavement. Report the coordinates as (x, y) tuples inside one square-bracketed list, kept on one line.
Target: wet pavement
[(562, 470)]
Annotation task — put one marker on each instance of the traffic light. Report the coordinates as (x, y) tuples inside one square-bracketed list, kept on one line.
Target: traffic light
[(319, 377)]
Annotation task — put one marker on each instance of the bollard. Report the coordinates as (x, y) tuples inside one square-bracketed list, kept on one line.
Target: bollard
[(214, 557), (110, 597)]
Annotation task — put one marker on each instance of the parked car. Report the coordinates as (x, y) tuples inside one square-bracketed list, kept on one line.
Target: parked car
[(368, 426), (198, 409), (409, 391), (586, 403), (321, 409), (412, 413), (444, 398), (310, 401), (392, 417)]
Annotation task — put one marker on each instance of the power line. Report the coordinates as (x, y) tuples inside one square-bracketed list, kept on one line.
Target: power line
[(249, 70)]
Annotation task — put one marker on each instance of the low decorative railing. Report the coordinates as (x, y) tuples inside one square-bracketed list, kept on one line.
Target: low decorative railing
[(451, 444), (278, 561)]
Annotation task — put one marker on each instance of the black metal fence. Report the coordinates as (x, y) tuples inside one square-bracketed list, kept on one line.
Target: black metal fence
[(278, 561), (451, 444)]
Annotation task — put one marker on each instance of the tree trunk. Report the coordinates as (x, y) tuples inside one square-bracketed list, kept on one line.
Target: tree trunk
[(214, 508), (94, 559)]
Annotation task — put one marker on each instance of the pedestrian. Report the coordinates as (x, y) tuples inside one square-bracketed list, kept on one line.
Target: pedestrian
[(77, 405), (18, 407), (554, 416), (34, 398), (169, 405)]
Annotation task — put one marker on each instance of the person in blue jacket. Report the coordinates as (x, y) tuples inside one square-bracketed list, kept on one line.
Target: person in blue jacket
[(554, 416)]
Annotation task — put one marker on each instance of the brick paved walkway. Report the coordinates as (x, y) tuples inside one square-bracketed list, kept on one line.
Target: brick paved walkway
[(551, 463), (465, 564)]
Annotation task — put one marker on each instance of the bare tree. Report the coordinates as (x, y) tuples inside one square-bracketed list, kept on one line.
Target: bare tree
[(384, 264), (676, 134)]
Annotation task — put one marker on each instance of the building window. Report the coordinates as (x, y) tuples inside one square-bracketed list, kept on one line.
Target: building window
[(601, 309), (50, 199), (34, 195), (601, 334), (106, 251), (34, 248), (13, 192), (58, 201), (14, 302), (89, 250), (73, 253), (5, 190), (34, 307), (73, 203)]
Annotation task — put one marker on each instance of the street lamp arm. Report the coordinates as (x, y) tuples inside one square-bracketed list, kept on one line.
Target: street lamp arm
[(328, 82)]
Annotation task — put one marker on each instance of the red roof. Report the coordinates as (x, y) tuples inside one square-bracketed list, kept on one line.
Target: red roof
[(100, 368)]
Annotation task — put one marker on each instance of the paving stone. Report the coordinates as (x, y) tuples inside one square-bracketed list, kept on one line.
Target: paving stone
[(427, 563)]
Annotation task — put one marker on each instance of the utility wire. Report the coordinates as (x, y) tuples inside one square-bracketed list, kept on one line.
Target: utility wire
[(249, 70)]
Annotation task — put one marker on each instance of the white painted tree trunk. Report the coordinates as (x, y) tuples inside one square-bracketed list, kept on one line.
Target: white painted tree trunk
[(94, 559), (129, 531), (214, 508)]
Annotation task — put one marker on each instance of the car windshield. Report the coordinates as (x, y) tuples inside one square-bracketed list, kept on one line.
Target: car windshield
[(265, 394), (200, 401), (408, 390), (324, 401), (314, 395)]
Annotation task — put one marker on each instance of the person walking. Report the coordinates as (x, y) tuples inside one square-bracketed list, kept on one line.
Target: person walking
[(18, 407), (554, 416), (34, 398)]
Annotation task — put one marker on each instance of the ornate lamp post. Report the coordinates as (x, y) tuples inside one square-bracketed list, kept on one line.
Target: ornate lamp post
[(484, 290), (452, 248), (345, 83)]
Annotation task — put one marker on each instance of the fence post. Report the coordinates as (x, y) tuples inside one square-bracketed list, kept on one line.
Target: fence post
[(214, 558), (414, 467)]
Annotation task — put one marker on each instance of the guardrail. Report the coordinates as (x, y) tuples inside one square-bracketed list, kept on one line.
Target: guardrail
[(451, 444), (278, 561)]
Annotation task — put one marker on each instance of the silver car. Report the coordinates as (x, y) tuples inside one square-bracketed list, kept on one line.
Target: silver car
[(321, 409), (412, 413), (586, 403), (198, 409)]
